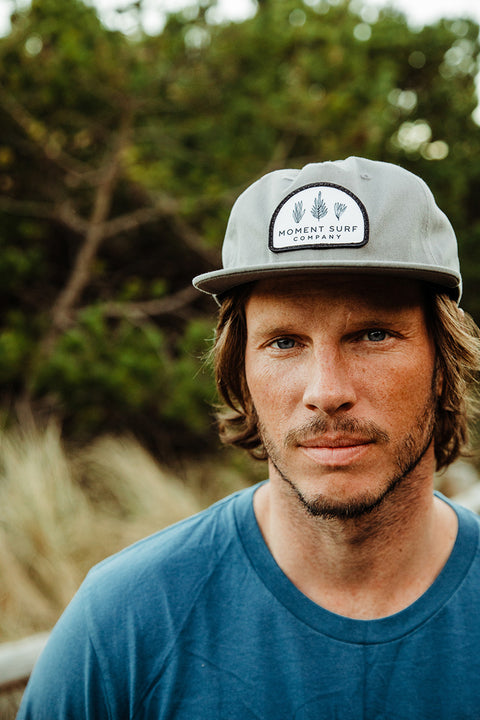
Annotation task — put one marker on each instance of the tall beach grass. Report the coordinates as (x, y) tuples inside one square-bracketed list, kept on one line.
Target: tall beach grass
[(62, 511)]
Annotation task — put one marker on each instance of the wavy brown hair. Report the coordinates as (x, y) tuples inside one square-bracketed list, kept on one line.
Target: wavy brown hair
[(457, 342)]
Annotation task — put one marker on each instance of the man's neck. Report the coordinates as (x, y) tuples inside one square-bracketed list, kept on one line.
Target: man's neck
[(366, 567)]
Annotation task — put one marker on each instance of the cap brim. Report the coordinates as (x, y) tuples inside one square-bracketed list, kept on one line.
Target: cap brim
[(220, 281)]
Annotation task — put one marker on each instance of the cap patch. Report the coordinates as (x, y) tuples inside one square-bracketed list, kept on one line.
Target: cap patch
[(320, 215)]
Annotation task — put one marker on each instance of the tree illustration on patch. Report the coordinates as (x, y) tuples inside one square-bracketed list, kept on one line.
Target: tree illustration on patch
[(298, 211), (339, 209), (319, 208)]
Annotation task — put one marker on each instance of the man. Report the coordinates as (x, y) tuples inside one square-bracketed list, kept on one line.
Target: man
[(343, 587)]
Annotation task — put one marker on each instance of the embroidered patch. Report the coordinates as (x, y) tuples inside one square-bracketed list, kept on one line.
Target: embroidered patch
[(320, 215)]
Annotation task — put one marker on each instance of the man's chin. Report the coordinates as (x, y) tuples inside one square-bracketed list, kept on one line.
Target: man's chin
[(332, 505), (329, 509)]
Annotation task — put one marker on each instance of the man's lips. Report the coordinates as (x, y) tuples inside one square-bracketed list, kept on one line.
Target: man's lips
[(335, 450), (335, 441), (342, 432)]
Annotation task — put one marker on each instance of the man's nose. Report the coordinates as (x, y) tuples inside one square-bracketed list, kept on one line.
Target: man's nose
[(329, 383)]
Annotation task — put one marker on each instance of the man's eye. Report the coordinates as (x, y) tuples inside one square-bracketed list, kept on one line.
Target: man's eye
[(376, 335), (284, 343)]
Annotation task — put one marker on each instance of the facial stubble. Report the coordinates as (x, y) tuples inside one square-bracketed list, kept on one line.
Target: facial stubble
[(409, 454)]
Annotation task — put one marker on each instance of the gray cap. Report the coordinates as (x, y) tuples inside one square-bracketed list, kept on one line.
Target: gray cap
[(352, 215)]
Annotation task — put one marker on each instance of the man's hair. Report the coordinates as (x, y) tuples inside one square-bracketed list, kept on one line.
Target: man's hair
[(457, 344)]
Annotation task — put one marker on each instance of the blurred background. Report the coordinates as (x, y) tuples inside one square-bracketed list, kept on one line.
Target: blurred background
[(127, 130)]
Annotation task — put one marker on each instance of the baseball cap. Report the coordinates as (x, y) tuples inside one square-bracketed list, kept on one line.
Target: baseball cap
[(353, 215)]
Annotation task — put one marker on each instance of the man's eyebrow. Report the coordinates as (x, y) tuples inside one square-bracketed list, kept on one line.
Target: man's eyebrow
[(271, 330), (371, 319), (374, 321)]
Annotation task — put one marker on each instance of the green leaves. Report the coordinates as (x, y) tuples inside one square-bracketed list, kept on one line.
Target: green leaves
[(104, 373), (121, 157)]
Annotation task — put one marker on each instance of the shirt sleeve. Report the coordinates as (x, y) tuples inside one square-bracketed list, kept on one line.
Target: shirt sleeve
[(67, 680)]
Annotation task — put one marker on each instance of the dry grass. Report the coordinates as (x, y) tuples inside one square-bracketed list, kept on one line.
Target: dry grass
[(64, 511)]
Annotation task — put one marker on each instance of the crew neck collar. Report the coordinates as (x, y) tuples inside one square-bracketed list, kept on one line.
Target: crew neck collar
[(347, 629)]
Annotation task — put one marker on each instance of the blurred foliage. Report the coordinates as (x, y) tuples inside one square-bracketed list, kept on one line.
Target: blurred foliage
[(120, 157)]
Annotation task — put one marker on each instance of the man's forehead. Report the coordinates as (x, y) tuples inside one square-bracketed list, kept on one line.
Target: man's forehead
[(383, 290)]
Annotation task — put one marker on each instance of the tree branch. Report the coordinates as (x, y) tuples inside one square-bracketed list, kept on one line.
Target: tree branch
[(63, 213), (151, 308), (40, 138), (131, 221), (195, 242), (29, 208), (81, 271), (165, 206)]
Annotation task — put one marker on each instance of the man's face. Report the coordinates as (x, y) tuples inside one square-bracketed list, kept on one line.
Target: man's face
[(341, 373)]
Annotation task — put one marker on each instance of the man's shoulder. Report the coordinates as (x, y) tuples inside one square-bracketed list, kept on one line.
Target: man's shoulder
[(178, 554), (123, 624)]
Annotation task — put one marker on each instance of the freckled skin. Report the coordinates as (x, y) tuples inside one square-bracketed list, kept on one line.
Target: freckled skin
[(351, 361)]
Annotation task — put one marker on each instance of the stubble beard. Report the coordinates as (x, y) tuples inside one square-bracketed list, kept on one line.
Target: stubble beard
[(408, 456)]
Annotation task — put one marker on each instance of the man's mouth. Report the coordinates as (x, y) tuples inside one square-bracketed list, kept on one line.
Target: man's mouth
[(335, 449), (335, 441), (341, 433)]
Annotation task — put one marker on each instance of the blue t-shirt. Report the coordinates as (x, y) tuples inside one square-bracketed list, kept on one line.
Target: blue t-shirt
[(198, 622)]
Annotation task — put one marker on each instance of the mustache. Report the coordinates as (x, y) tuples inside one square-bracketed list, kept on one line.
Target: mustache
[(315, 428)]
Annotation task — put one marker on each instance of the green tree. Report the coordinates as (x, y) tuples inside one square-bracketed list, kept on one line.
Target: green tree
[(120, 158)]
